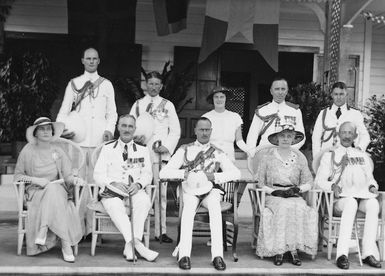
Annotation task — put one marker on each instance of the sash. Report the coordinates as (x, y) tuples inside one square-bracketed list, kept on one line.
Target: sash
[(325, 128), (160, 106), (82, 92), (199, 160), (267, 121)]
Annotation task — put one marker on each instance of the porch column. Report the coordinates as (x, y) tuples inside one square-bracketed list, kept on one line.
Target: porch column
[(334, 40)]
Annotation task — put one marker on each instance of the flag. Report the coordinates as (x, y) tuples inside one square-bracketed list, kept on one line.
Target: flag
[(256, 20), (170, 16)]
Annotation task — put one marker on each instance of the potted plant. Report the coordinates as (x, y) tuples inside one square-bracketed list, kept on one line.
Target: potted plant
[(375, 122), (27, 91), (311, 99)]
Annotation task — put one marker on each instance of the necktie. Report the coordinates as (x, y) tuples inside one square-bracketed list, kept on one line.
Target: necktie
[(125, 153), (338, 113)]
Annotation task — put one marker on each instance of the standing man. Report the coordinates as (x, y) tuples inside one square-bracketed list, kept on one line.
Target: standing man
[(90, 99), (162, 144), (269, 115), (118, 161), (347, 171), (329, 120), (199, 163)]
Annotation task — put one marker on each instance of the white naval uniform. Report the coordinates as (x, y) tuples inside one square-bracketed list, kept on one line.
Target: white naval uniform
[(211, 201), (331, 122), (224, 126), (167, 130), (99, 114), (355, 181), (285, 110), (110, 167)]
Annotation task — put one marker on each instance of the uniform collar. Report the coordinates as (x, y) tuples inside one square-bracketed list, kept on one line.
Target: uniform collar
[(91, 76), (275, 104), (204, 146), (343, 107), (153, 99), (122, 144)]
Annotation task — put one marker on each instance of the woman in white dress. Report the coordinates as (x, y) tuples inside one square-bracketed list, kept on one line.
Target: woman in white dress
[(226, 125)]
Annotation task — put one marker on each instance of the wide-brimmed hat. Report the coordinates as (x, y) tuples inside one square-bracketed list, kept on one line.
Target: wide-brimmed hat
[(145, 126), (58, 129), (285, 125), (76, 124), (218, 89), (197, 184)]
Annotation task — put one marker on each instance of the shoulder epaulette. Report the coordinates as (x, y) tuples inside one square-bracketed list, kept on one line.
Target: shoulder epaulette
[(110, 142), (295, 106), (352, 107), (262, 105)]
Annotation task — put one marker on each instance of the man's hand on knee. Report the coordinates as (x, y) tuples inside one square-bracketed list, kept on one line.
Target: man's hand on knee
[(133, 188)]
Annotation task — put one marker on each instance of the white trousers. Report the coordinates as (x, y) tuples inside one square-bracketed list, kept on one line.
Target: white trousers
[(349, 206), (212, 203), (116, 209)]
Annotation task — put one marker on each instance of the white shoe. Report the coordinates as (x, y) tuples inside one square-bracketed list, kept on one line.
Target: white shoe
[(148, 254), (127, 252), (66, 249)]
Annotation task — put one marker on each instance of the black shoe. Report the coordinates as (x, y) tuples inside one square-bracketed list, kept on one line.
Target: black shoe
[(278, 259), (295, 261), (370, 260), (219, 263), (185, 263), (343, 262), (87, 238), (165, 239)]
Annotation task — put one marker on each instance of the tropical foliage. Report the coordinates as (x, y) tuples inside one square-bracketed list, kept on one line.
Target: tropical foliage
[(27, 91)]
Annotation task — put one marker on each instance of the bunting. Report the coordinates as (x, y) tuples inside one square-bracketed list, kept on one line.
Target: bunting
[(256, 20), (170, 16)]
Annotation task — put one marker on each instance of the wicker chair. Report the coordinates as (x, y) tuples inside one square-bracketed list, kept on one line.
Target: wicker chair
[(229, 206), (330, 224), (257, 197), (75, 154)]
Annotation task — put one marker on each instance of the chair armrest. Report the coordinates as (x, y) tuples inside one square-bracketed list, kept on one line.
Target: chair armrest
[(314, 198)]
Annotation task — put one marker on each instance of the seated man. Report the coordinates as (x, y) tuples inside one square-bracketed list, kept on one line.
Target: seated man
[(199, 162), (347, 172), (119, 161)]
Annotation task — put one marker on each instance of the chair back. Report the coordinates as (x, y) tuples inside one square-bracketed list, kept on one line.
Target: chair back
[(74, 153), (95, 154)]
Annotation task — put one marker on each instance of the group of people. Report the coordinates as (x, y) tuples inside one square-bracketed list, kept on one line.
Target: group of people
[(125, 167)]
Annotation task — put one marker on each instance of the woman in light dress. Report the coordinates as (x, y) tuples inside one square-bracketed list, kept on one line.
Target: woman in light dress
[(288, 223), (226, 125), (51, 212)]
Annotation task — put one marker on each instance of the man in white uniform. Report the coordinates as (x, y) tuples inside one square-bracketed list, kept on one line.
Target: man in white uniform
[(329, 120), (347, 172), (268, 116), (92, 97), (163, 142), (201, 157), (118, 160)]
